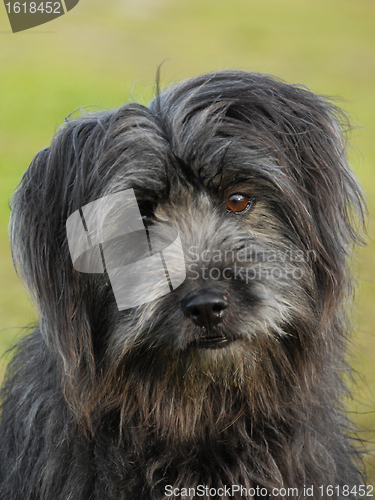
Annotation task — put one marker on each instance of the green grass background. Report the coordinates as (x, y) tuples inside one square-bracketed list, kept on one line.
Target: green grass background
[(104, 52)]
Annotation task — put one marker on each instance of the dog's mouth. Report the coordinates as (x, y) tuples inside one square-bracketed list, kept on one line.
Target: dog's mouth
[(212, 341)]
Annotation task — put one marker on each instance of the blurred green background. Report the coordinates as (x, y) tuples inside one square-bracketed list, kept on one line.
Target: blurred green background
[(105, 52)]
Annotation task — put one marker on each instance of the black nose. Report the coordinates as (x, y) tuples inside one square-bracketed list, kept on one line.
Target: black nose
[(205, 309)]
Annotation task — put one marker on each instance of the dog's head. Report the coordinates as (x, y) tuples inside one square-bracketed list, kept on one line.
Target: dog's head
[(249, 174)]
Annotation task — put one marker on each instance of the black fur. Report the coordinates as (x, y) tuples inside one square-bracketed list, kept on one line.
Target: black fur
[(108, 404)]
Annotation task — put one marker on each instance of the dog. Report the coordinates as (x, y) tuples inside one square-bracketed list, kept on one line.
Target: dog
[(190, 265)]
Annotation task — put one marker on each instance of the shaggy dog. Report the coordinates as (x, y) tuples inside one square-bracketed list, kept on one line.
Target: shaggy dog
[(222, 376)]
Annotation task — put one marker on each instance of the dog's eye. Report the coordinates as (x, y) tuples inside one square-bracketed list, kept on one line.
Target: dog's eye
[(238, 203), (147, 213), (147, 220)]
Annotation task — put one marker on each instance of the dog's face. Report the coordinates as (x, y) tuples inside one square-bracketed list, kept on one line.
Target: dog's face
[(249, 278), (251, 174)]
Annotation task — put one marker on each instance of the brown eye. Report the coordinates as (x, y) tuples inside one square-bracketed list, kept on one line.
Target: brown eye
[(238, 203)]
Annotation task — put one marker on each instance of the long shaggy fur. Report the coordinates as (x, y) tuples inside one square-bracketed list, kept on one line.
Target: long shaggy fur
[(108, 404)]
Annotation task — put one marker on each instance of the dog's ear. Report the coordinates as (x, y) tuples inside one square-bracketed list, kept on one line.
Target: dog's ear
[(87, 160), (325, 200), (51, 189)]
